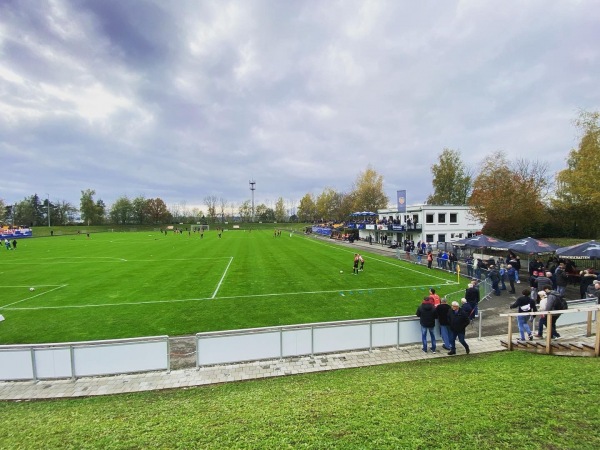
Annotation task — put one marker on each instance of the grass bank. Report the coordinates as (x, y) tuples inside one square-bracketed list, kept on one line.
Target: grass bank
[(501, 400)]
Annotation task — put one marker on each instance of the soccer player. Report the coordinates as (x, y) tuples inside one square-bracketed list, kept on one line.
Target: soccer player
[(355, 266), (362, 262)]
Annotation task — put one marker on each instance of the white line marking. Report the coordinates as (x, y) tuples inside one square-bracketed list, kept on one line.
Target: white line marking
[(34, 296), (232, 297), (375, 259), (222, 278), (110, 260)]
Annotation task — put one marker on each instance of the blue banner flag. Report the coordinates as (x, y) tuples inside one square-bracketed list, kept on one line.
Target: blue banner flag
[(401, 201)]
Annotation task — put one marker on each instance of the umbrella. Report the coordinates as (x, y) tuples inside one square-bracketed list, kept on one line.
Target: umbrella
[(482, 241), (590, 249), (530, 245)]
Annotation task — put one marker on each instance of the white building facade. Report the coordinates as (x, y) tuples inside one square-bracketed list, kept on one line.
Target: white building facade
[(429, 223)]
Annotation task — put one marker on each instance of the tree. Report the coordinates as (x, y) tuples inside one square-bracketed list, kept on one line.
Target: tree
[(333, 205), (2, 211), (508, 198), (307, 210), (91, 212), (280, 212), (64, 212), (29, 212), (157, 211), (267, 215), (138, 210), (577, 199), (211, 204), (260, 211), (245, 211), (368, 192), (121, 212), (222, 206), (452, 181)]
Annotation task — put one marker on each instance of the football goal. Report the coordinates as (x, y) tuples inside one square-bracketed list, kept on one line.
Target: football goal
[(200, 228)]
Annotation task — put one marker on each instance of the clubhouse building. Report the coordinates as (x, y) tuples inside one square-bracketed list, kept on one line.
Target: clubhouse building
[(430, 223)]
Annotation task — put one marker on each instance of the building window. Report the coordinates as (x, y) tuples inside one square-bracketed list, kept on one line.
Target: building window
[(429, 238), (453, 218), (442, 218), (429, 219), (441, 237)]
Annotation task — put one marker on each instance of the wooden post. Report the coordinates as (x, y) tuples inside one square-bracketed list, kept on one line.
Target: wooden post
[(597, 342), (549, 334), (510, 346), (588, 331)]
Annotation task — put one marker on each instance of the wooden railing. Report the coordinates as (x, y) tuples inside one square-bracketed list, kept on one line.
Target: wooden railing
[(551, 346)]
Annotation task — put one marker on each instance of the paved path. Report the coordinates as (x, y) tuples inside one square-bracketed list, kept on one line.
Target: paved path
[(119, 384)]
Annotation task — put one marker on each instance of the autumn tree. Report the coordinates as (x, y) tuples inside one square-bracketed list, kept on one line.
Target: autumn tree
[(3, 211), (157, 211), (508, 197), (452, 180), (367, 191), (577, 199), (307, 209), (280, 212)]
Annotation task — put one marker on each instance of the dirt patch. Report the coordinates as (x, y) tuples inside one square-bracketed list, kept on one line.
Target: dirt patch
[(183, 352)]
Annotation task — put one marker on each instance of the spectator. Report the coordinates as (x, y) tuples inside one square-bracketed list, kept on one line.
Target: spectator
[(427, 314), (542, 307), (594, 291), (525, 305), (472, 296), (553, 297), (458, 322), (494, 277), (434, 297), (469, 262), (562, 279), (442, 312), (467, 308), (511, 273), (587, 278)]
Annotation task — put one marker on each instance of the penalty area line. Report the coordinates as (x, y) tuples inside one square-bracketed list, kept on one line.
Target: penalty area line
[(222, 277), (31, 297)]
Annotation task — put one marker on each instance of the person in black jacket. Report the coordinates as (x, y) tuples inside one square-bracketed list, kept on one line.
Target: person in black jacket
[(525, 305), (427, 315), (458, 322), (472, 296), (442, 312)]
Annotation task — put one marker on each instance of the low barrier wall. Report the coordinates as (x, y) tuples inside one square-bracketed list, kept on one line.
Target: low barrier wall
[(222, 347), (82, 359)]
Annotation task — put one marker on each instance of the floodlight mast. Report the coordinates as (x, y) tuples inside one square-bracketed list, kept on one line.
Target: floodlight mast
[(252, 188)]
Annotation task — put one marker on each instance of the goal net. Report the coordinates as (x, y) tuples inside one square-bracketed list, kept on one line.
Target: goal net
[(200, 228)]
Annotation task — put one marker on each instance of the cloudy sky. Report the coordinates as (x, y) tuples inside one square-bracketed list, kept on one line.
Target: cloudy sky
[(184, 99)]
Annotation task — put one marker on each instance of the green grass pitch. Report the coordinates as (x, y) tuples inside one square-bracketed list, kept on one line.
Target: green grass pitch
[(117, 285)]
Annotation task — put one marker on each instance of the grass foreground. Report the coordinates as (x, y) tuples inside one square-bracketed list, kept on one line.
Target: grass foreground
[(501, 400)]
